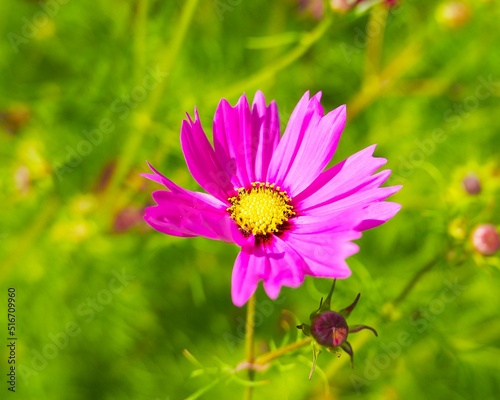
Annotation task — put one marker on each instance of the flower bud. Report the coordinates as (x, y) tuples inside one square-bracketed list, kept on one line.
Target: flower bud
[(127, 218), (314, 8), (343, 6), (471, 184), (15, 118), (485, 239), (454, 14), (329, 329)]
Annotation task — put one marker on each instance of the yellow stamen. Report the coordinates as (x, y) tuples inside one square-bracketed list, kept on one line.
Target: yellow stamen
[(262, 209)]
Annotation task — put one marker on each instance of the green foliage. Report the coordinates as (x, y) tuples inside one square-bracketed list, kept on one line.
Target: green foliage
[(107, 309)]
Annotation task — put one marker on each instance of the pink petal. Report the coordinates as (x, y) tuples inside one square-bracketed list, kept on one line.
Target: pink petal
[(203, 197), (356, 203), (316, 150), (202, 161), (184, 215), (305, 110), (370, 184), (286, 267), (349, 187), (248, 269), (378, 213), (325, 253), (245, 139), (341, 178), (267, 124), (317, 223), (232, 128), (308, 144)]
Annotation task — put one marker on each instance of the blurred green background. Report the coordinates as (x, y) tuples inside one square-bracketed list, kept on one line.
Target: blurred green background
[(107, 308)]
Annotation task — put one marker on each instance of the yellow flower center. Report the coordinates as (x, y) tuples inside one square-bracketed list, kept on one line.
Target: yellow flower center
[(261, 210)]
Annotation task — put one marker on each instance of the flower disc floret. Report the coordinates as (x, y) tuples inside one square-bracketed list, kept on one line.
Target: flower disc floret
[(262, 210)]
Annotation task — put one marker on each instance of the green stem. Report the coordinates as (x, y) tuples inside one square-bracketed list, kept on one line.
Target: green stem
[(373, 88), (411, 284), (374, 43), (272, 355), (249, 343), (271, 69)]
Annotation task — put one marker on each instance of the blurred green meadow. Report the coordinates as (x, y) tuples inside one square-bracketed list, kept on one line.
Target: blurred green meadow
[(106, 308)]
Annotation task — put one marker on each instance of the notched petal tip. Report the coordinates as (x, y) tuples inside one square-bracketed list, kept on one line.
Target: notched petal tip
[(316, 96), (259, 101), (341, 110), (243, 100), (156, 176)]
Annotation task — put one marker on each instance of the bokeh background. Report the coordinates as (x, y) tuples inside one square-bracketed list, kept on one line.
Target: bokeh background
[(108, 309)]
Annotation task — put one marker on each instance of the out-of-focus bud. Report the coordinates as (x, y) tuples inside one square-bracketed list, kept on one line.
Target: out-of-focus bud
[(485, 239), (453, 14), (105, 177), (471, 184), (127, 219), (14, 118), (22, 179), (314, 8), (343, 6), (391, 3)]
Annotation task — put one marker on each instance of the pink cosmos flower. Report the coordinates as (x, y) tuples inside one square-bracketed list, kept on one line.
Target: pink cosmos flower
[(272, 196)]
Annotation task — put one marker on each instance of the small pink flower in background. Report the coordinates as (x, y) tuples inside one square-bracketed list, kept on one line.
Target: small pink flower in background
[(272, 196), (485, 239), (472, 184), (342, 6), (314, 7)]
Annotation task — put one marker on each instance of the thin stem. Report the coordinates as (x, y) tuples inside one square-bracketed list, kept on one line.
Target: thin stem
[(270, 70), (374, 88), (374, 43), (411, 284), (272, 355), (249, 343)]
